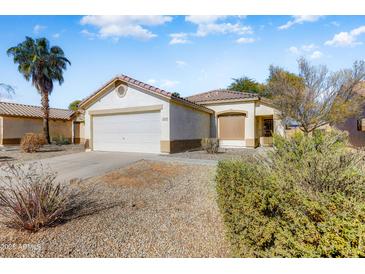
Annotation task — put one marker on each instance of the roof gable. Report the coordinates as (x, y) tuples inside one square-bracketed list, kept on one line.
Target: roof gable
[(116, 81)]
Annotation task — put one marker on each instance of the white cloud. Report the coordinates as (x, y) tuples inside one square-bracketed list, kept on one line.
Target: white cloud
[(245, 40), (309, 47), (222, 28), (181, 63), (308, 50), (56, 35), (168, 83), (88, 34), (342, 39), (346, 39), (203, 19), (299, 19), (179, 38), (125, 26), (152, 81), (334, 23), (38, 29), (294, 50), (302, 49), (164, 83), (316, 55), (211, 25)]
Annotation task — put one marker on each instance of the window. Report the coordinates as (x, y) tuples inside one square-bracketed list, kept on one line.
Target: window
[(359, 124), (268, 127)]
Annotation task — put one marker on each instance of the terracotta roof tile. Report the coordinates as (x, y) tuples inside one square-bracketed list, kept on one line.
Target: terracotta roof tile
[(221, 95), (13, 109), (148, 87)]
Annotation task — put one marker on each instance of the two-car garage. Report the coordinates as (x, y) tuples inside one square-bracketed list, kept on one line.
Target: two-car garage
[(135, 132), (127, 115)]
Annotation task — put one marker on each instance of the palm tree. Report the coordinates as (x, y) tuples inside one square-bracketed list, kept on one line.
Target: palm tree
[(42, 64)]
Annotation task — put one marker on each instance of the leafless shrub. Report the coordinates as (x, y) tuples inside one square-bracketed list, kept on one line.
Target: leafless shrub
[(30, 197), (32, 142), (210, 145)]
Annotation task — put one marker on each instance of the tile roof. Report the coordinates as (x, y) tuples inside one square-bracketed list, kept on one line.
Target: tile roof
[(221, 95), (12, 109), (148, 87)]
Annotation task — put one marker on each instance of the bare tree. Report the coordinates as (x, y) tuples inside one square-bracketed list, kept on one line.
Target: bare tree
[(316, 96), (6, 91)]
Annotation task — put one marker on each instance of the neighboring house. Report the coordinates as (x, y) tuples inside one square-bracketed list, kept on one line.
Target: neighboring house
[(129, 115), (18, 119), (240, 119), (355, 127)]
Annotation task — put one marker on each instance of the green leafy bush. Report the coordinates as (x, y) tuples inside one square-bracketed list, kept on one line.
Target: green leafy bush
[(306, 199), (60, 140)]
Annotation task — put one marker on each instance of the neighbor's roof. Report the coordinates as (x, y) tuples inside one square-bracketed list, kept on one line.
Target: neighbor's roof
[(215, 96), (20, 110), (145, 86)]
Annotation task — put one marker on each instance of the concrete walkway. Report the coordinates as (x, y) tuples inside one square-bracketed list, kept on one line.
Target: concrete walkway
[(84, 165)]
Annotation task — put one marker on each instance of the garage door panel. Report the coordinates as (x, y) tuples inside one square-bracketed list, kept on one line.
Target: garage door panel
[(138, 132)]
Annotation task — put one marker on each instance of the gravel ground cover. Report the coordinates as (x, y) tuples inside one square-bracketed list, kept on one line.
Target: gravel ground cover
[(147, 209), (14, 154), (223, 154)]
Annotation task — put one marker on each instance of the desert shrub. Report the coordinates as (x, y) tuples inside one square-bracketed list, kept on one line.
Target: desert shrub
[(32, 142), (30, 197), (210, 145), (60, 140), (305, 200)]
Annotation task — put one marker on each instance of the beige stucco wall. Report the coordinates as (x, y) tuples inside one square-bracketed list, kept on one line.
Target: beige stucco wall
[(252, 109), (246, 107), (188, 123), (132, 98), (16, 127)]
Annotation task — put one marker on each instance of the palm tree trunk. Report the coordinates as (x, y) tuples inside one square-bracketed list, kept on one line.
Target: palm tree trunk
[(45, 109)]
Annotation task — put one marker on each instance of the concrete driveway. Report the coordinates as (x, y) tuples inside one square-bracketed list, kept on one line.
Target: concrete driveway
[(89, 164)]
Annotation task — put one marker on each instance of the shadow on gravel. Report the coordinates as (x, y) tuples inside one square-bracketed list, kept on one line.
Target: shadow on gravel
[(85, 202), (6, 158)]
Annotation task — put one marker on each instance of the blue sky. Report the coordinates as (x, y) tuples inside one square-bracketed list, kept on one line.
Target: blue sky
[(186, 54)]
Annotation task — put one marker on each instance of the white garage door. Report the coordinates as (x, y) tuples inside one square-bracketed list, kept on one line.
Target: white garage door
[(137, 132)]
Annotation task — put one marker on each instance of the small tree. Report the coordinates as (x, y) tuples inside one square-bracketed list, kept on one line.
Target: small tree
[(176, 94), (316, 97), (74, 105), (246, 84)]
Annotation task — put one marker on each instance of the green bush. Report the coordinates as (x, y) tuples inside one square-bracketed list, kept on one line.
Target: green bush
[(60, 140), (306, 199)]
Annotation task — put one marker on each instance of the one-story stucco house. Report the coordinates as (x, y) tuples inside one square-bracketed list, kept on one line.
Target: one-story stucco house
[(18, 119), (128, 115)]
